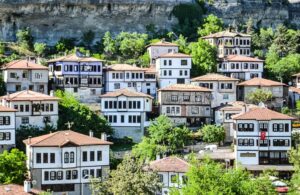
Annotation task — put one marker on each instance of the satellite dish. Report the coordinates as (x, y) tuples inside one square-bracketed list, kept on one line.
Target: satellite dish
[(33, 182)]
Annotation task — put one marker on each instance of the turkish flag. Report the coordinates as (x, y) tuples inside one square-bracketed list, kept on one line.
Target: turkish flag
[(262, 135)]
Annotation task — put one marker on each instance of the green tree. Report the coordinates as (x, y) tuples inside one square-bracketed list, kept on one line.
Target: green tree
[(129, 178), (259, 95), (208, 177), (163, 137), (109, 44), (204, 57), (294, 157), (12, 167), (261, 41), (2, 86), (65, 44), (213, 133), (84, 120), (182, 43), (25, 39), (2, 48), (212, 24), (88, 38), (39, 48)]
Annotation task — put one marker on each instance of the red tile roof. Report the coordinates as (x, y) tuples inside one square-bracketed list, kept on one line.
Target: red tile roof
[(125, 92), (15, 189), (239, 58), (123, 67), (213, 77), (184, 87), (294, 89), (24, 65), (174, 55), (226, 33), (262, 114), (236, 106), (74, 58), (7, 109), (28, 95), (61, 138), (169, 164), (261, 82), (163, 43)]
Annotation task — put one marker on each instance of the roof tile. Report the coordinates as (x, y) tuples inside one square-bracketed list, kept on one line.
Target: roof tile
[(239, 58), (214, 77), (184, 87), (261, 82), (262, 114), (23, 64), (125, 92), (28, 95)]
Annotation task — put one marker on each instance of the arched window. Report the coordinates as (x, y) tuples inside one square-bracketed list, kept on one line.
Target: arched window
[(71, 157), (66, 157)]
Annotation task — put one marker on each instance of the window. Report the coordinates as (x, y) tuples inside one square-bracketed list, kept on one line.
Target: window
[(246, 142), (173, 178), (278, 127), (92, 156), (45, 157), (84, 156), (170, 72), (195, 110), (99, 155), (4, 120), (263, 126), (59, 175), (281, 142), (184, 62), (13, 75), (46, 175), (52, 175), (71, 157), (174, 98), (161, 178), (38, 158), (245, 127), (198, 98), (74, 174), (85, 173), (186, 98), (263, 143), (68, 174), (122, 119), (66, 157), (99, 173), (184, 179), (168, 110), (165, 62), (92, 173), (286, 127), (225, 96), (117, 85), (52, 157), (25, 120), (170, 62), (180, 73)]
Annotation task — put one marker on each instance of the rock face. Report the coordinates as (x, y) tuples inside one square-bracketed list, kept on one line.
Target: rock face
[(49, 20)]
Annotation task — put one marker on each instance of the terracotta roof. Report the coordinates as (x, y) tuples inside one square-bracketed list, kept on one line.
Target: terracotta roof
[(15, 189), (239, 58), (7, 109), (123, 67), (151, 69), (125, 92), (294, 89), (236, 106), (163, 43), (261, 82), (61, 138), (226, 34), (214, 77), (262, 114), (174, 55), (28, 95), (74, 58), (184, 87), (23, 64), (169, 164)]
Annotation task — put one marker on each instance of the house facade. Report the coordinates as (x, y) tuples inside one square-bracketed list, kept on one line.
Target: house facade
[(279, 91), (241, 67), (173, 68), (21, 75), (162, 47), (120, 76), (7, 128), (230, 43), (127, 111), (171, 171), (77, 74), (262, 139), (223, 88), (33, 108), (65, 161), (186, 104)]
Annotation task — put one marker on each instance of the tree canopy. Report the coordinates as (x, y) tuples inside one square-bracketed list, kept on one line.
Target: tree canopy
[(213, 133), (259, 95), (212, 24)]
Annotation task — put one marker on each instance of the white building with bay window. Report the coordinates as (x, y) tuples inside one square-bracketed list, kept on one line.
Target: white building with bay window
[(32, 108), (65, 161), (7, 128), (127, 111), (263, 139)]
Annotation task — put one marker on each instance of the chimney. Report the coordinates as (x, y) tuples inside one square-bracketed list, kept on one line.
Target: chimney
[(92, 134), (27, 186), (103, 136), (29, 139)]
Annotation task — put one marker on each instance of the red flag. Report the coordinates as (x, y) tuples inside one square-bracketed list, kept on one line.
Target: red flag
[(263, 135)]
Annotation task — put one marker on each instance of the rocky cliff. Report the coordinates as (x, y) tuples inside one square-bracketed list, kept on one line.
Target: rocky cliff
[(51, 19)]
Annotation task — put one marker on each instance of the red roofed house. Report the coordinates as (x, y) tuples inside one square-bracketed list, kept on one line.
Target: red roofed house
[(279, 91), (7, 128), (171, 171), (263, 139), (21, 75), (65, 161), (186, 104), (159, 48)]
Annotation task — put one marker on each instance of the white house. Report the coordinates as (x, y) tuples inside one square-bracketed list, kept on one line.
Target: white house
[(171, 171), (224, 113), (159, 48), (33, 108), (294, 96), (279, 91), (173, 68), (77, 74), (7, 128), (230, 43), (65, 161), (21, 75), (263, 139), (241, 67), (127, 111), (223, 87), (119, 76), (186, 104), (296, 80)]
